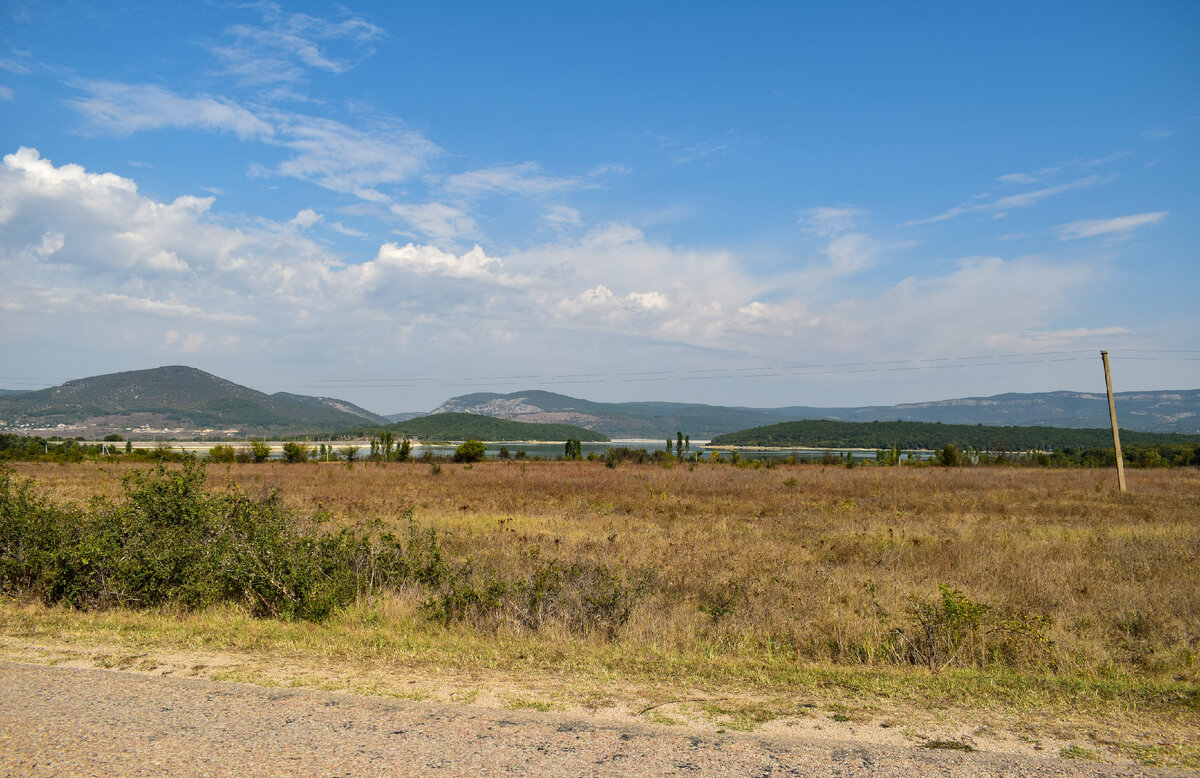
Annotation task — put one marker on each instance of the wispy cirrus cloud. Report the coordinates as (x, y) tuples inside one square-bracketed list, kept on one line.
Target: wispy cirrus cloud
[(331, 154), (682, 152), (284, 46), (697, 152), (562, 216), (354, 160), (1121, 226), (999, 205), (526, 178), (828, 221), (1039, 185), (123, 109), (437, 220)]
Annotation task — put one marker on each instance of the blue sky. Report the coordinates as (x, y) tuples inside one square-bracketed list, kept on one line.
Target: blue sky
[(753, 203)]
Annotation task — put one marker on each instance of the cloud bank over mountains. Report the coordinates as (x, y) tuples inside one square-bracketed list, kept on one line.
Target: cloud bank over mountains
[(321, 230)]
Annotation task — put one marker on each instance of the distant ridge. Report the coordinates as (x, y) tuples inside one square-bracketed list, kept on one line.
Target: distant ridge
[(467, 426), (182, 400), (1155, 411), (823, 433)]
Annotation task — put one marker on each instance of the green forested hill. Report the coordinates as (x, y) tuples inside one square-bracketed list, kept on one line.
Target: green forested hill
[(924, 435), (174, 396), (469, 426)]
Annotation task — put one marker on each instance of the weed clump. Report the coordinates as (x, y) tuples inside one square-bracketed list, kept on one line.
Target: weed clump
[(581, 597)]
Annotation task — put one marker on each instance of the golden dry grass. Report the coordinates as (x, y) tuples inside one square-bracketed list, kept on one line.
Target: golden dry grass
[(771, 588), (817, 563)]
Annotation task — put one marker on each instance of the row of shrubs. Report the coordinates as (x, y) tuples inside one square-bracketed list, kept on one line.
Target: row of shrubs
[(385, 449), (167, 541)]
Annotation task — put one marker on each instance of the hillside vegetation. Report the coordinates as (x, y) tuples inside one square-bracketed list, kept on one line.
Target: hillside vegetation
[(469, 426), (175, 397), (923, 435)]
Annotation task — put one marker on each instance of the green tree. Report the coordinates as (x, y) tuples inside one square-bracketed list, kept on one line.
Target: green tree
[(222, 453), (257, 450), (679, 444), (349, 453), (950, 455), (295, 452), (470, 451), (405, 450)]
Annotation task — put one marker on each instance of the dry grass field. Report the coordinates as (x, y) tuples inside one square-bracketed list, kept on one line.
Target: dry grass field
[(1040, 595)]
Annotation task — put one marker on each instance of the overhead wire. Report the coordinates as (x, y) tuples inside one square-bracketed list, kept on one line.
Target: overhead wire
[(800, 370)]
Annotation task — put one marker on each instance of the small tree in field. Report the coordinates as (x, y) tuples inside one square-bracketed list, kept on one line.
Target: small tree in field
[(295, 452), (256, 451), (470, 451), (950, 455)]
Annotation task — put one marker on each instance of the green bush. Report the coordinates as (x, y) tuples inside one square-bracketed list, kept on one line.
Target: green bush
[(169, 542), (255, 451), (470, 451)]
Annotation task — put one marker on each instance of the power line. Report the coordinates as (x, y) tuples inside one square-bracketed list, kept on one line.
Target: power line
[(711, 374)]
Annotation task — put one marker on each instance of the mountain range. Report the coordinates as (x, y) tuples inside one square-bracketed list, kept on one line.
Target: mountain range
[(1156, 411), (186, 402)]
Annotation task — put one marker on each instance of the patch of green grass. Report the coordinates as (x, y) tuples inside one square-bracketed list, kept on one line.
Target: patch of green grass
[(520, 703), (949, 745), (467, 697), (740, 717), (1078, 752)]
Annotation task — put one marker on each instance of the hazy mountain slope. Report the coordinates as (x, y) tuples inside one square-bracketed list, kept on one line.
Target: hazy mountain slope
[(175, 397), (391, 417), (1158, 411), (465, 426), (621, 420), (332, 403)]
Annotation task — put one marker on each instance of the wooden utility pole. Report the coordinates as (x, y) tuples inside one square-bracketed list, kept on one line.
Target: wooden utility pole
[(1112, 417)]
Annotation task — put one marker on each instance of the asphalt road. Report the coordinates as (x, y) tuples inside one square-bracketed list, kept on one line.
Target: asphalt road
[(65, 721)]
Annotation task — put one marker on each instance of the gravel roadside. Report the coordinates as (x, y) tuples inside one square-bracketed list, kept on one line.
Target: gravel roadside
[(69, 721)]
